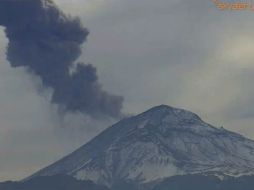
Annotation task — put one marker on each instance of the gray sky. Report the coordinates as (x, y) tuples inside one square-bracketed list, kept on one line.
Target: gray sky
[(182, 53)]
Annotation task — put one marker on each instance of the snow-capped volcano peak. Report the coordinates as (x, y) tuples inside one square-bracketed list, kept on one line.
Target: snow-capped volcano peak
[(170, 114), (159, 143), (163, 110), (166, 118)]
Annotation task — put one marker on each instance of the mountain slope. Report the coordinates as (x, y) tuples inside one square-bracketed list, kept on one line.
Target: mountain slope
[(159, 143)]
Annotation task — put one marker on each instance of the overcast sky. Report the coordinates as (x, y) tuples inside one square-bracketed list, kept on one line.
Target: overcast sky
[(182, 53)]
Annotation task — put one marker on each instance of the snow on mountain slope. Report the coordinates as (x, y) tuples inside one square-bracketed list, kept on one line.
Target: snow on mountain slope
[(161, 142)]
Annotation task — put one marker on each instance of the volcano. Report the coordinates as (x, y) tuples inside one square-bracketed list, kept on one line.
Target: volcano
[(159, 143)]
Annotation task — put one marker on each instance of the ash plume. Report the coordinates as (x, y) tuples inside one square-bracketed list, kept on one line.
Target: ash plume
[(47, 42)]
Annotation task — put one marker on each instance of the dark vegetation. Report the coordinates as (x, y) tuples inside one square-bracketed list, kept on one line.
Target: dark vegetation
[(187, 182)]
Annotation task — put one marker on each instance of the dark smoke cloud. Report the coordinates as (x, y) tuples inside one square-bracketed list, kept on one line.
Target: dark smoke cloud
[(47, 43)]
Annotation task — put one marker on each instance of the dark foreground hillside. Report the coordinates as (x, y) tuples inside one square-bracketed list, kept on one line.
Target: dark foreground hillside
[(187, 182), (199, 182), (59, 182)]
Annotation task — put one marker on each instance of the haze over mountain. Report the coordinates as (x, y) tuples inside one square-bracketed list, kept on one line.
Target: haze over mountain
[(157, 144)]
